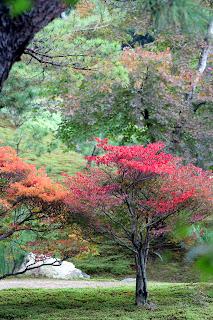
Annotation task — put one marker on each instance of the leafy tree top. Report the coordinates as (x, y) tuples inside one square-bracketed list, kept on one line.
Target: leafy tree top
[(157, 183)]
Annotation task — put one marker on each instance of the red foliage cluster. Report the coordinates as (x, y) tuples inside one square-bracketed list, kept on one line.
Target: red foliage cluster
[(88, 191), (155, 182), (150, 159), (137, 193)]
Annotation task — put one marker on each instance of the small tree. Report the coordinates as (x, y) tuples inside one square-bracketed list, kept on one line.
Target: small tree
[(135, 194), (32, 215), (22, 185)]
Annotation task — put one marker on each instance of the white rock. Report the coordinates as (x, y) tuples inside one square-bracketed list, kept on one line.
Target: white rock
[(51, 268)]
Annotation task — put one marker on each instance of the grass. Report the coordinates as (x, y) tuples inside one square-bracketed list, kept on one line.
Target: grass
[(174, 302), (58, 161)]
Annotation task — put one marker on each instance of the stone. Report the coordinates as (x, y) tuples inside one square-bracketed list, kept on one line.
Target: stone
[(128, 280), (43, 266)]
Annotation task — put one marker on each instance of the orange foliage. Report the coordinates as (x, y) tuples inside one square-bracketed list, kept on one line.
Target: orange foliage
[(24, 180), (84, 8), (22, 184), (38, 184), (138, 59), (11, 163), (132, 58)]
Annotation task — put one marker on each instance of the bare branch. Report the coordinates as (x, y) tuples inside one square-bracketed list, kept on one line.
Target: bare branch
[(30, 267), (48, 60)]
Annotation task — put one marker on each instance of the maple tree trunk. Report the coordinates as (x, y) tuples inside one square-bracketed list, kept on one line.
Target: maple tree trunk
[(17, 32), (141, 293)]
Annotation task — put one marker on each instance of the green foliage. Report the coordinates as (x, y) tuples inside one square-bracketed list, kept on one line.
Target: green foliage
[(38, 126), (28, 125), (202, 253), (19, 6), (99, 117), (174, 301), (133, 134), (13, 250), (103, 100), (20, 91), (187, 15), (10, 254), (116, 265), (205, 264), (182, 229)]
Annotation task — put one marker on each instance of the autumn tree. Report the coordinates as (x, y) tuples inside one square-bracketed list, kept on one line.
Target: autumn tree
[(32, 215), (145, 86), (136, 193), (163, 82)]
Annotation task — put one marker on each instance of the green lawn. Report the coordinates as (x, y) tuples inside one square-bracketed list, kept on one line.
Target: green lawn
[(174, 302)]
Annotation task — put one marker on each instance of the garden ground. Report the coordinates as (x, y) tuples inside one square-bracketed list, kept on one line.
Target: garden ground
[(45, 283), (174, 301)]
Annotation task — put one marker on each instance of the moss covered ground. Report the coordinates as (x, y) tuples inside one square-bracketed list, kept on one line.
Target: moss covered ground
[(173, 302)]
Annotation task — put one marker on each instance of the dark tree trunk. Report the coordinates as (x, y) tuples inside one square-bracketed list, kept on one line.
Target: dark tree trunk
[(17, 32), (141, 294)]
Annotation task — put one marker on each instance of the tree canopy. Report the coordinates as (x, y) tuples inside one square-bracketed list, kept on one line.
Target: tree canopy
[(22, 19)]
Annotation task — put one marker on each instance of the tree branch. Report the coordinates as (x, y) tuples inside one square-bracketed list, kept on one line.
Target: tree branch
[(48, 60), (29, 267)]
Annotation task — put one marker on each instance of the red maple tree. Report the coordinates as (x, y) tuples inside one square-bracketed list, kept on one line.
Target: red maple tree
[(135, 193)]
